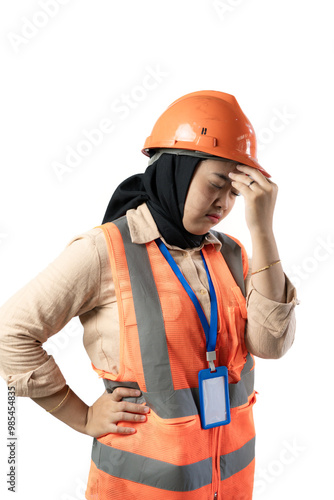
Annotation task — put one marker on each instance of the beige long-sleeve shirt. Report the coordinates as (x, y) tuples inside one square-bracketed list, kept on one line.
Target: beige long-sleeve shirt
[(79, 283)]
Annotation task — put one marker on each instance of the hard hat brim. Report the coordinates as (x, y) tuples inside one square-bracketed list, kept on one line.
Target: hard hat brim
[(227, 155)]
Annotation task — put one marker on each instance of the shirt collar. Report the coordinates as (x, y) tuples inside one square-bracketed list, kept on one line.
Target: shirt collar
[(143, 229)]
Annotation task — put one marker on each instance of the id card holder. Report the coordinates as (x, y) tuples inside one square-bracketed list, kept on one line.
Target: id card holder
[(214, 397)]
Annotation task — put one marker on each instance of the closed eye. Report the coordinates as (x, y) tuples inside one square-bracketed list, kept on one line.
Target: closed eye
[(215, 186), (235, 193)]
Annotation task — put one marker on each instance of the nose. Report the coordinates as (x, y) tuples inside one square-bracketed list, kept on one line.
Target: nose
[(223, 200)]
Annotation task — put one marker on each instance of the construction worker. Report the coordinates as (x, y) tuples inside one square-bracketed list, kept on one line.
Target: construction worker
[(173, 314)]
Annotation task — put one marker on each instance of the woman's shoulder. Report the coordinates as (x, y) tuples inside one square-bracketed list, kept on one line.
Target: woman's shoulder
[(91, 237), (84, 255), (225, 238), (88, 242)]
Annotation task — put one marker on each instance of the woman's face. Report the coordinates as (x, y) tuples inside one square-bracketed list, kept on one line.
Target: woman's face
[(210, 196)]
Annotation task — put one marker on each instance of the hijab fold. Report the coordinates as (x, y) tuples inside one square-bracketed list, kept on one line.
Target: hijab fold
[(163, 186)]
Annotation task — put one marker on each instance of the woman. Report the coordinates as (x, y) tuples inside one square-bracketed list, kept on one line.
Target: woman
[(150, 335)]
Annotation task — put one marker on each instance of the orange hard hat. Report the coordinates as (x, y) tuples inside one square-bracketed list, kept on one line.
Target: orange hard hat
[(207, 121)]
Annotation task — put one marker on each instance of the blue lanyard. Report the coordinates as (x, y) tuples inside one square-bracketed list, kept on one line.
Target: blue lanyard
[(210, 331)]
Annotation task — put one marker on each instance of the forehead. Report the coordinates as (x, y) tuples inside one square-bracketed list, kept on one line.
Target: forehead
[(218, 167)]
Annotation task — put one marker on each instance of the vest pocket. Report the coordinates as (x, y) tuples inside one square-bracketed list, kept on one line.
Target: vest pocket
[(236, 344), (170, 424), (242, 416), (172, 408), (247, 405)]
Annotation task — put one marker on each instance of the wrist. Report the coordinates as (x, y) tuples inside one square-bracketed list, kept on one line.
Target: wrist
[(66, 406), (262, 237), (52, 410), (264, 249), (86, 422), (261, 231)]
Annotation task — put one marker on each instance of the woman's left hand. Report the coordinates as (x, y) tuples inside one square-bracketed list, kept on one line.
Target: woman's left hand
[(260, 197)]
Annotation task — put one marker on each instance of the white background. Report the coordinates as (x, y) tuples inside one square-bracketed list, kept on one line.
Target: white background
[(67, 70)]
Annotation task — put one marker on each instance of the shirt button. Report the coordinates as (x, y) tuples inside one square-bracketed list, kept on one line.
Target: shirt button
[(203, 291)]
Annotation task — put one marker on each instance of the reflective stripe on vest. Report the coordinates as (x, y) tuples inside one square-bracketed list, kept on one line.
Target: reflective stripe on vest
[(170, 477), (181, 402)]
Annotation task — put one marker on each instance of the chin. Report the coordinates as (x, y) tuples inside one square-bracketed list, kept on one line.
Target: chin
[(199, 227), (205, 228)]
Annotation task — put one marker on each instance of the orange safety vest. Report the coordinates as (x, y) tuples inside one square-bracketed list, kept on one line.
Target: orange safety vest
[(162, 349)]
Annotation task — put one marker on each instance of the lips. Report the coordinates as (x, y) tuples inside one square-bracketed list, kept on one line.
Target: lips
[(215, 218)]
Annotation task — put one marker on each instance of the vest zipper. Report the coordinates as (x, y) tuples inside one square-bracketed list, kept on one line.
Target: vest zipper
[(215, 461)]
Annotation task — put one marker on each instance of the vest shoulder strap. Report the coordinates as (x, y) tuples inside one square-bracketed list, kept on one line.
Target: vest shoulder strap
[(232, 254)]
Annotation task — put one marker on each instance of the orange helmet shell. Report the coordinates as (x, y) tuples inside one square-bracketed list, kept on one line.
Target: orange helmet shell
[(210, 122)]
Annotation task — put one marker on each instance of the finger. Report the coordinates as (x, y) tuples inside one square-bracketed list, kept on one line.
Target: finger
[(254, 181), (243, 189), (126, 406), (254, 173), (244, 184), (124, 416), (124, 392), (119, 429), (243, 179)]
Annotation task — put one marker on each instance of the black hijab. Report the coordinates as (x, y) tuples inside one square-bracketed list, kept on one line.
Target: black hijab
[(163, 186)]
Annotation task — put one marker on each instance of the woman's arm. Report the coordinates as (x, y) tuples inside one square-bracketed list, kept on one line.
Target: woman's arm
[(69, 286), (260, 199), (270, 294), (100, 418)]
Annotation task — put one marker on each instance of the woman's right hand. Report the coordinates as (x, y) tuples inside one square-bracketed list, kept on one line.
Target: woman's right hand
[(104, 415)]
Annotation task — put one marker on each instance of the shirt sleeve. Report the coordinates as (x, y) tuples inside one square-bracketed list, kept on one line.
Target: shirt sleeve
[(271, 325), (68, 287)]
